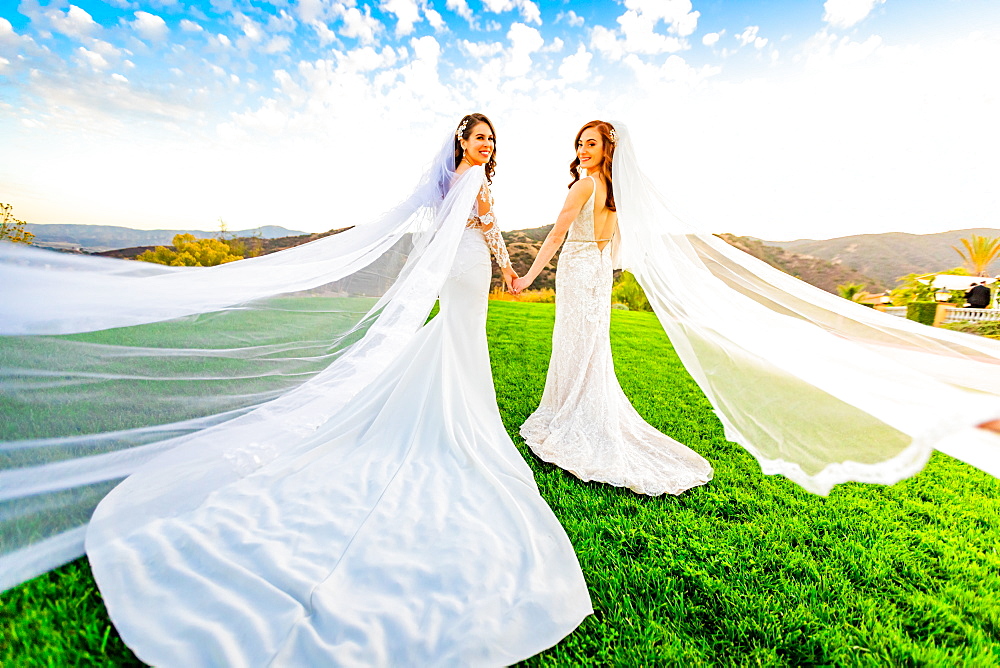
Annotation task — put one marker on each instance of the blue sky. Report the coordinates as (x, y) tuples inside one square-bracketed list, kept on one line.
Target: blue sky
[(775, 119)]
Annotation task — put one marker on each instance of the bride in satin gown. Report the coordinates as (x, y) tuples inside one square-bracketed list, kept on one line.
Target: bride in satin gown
[(585, 423), (405, 530)]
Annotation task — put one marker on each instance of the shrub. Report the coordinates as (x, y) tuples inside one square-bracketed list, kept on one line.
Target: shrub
[(191, 252), (988, 328), (543, 296), (628, 291), (922, 312)]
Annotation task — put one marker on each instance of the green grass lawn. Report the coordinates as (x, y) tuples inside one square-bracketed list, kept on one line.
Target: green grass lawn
[(748, 570)]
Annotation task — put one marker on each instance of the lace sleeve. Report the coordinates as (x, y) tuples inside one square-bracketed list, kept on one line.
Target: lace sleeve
[(495, 241), (493, 237)]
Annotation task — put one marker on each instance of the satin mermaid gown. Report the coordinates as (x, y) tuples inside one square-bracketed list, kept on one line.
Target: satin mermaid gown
[(405, 530)]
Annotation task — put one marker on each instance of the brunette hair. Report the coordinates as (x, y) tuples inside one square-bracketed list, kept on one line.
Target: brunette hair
[(468, 122), (606, 130)]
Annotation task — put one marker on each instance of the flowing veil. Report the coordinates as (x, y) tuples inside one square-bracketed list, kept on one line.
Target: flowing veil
[(817, 388), (106, 364)]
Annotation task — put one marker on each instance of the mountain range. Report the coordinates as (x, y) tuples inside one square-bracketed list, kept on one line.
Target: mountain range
[(95, 238), (874, 260), (886, 257)]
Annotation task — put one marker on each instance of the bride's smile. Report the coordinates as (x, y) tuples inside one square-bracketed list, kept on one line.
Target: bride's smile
[(479, 146), (590, 150)]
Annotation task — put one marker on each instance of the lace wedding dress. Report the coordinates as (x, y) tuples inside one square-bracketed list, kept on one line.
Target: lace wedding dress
[(406, 529), (585, 423)]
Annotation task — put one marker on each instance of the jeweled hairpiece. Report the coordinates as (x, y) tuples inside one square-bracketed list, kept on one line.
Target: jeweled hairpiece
[(461, 129), (614, 137)]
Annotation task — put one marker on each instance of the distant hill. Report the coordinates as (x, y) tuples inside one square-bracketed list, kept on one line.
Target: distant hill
[(824, 274), (523, 245), (888, 256), (108, 237), (266, 245)]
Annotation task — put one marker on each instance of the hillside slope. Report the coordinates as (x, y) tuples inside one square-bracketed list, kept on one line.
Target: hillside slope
[(888, 256)]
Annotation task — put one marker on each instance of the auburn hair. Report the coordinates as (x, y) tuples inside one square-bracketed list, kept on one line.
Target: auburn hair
[(605, 130)]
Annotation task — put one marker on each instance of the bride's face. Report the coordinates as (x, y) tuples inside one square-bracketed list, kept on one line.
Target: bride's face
[(590, 149), (479, 146)]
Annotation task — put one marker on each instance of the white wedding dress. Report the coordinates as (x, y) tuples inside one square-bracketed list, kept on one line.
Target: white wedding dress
[(406, 530), (585, 423)]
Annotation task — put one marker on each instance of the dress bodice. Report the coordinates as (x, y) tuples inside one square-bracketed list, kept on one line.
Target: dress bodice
[(582, 228)]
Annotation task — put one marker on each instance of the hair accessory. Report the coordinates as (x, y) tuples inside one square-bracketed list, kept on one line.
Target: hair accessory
[(614, 137), (461, 128)]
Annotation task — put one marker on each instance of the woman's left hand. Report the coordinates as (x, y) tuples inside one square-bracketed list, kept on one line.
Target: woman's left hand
[(509, 275)]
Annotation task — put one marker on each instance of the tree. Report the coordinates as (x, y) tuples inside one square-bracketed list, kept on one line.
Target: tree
[(191, 252), (979, 253), (628, 291), (917, 287), (238, 245), (11, 228), (853, 291)]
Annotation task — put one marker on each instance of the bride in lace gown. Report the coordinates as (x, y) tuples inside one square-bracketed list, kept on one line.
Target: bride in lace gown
[(406, 529), (585, 423)]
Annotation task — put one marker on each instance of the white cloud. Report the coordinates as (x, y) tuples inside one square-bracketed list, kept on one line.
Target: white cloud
[(676, 13), (278, 44), (150, 26), (825, 50), (481, 49), (407, 13), (366, 59), (119, 78), (524, 41), (638, 28), (750, 36), (576, 67), (555, 46), (436, 20), (252, 32), (326, 36), (711, 39), (190, 26), (641, 37), (571, 18), (95, 60), (75, 23), (529, 10), (460, 7), (674, 70), (604, 40), (281, 22), (360, 26), (846, 13), (106, 49), (310, 11), (222, 40)]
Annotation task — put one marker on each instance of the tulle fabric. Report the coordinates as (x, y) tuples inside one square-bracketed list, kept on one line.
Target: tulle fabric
[(106, 364), (404, 530), (584, 422), (817, 388)]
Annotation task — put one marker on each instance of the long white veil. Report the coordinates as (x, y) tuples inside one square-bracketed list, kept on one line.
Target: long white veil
[(816, 387), (105, 364)]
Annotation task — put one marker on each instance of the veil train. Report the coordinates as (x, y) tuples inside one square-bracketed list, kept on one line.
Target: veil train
[(817, 388)]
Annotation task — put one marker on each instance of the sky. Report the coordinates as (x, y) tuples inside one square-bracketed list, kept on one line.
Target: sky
[(779, 119)]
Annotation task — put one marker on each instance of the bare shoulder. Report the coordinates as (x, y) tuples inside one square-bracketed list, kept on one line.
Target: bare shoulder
[(584, 187)]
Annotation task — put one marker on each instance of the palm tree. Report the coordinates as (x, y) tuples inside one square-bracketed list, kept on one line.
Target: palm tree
[(979, 253), (853, 291)]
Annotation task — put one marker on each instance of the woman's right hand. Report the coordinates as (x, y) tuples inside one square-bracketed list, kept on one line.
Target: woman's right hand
[(520, 284)]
